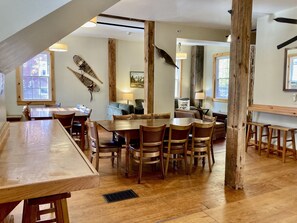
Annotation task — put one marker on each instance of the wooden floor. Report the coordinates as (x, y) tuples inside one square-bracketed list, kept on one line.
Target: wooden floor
[(269, 195)]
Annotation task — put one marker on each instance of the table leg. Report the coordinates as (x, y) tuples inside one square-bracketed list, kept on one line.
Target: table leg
[(127, 141), (82, 132)]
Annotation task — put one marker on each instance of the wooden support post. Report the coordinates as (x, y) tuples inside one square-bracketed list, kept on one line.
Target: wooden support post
[(251, 82), (149, 39), (112, 69), (197, 58), (238, 84)]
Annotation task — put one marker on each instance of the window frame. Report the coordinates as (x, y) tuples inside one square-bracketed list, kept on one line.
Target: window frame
[(19, 82), (215, 56), (178, 81)]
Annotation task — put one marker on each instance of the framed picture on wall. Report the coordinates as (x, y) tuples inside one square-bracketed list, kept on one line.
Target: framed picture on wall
[(136, 79)]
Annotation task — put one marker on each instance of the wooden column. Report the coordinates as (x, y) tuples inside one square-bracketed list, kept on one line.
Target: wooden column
[(251, 81), (112, 73), (238, 84), (149, 39), (197, 58)]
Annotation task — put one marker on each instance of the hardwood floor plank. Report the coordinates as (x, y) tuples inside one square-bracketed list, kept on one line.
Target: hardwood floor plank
[(268, 195), (258, 208)]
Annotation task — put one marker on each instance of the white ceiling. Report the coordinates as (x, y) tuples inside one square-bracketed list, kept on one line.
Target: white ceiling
[(203, 13)]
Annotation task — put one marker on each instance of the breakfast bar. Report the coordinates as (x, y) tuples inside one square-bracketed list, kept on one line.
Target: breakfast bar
[(40, 159)]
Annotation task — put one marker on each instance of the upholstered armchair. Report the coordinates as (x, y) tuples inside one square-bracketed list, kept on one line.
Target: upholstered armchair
[(139, 106)]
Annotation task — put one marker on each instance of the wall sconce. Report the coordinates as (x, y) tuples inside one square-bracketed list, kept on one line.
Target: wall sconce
[(200, 96), (228, 38), (58, 47), (127, 96)]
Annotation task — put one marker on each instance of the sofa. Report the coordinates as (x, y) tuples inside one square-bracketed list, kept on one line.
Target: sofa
[(180, 113), (219, 129), (116, 108)]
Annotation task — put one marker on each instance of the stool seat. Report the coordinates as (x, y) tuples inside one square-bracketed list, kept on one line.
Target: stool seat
[(284, 131), (253, 129)]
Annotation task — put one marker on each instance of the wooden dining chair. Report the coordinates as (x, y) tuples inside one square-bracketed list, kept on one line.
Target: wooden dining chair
[(142, 116), (161, 115), (175, 148), (76, 129), (200, 143), (98, 146), (66, 120), (150, 150), (208, 118)]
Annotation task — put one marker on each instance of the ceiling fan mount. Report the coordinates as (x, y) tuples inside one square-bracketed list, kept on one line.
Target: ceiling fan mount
[(289, 21)]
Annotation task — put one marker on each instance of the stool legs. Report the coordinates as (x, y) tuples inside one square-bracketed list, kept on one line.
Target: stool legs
[(31, 211), (253, 129), (285, 140)]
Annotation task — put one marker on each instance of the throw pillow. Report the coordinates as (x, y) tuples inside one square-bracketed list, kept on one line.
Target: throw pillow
[(184, 104)]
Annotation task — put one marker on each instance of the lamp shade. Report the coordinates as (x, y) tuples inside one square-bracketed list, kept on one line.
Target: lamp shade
[(199, 95), (128, 96), (181, 56), (59, 47)]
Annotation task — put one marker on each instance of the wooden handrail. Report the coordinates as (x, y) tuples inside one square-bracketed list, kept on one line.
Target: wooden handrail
[(274, 109)]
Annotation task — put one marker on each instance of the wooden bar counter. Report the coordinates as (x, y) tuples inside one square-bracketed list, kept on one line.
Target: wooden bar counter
[(39, 159)]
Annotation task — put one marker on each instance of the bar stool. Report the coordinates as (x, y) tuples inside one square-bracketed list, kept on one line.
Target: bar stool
[(284, 131), (58, 206), (252, 129)]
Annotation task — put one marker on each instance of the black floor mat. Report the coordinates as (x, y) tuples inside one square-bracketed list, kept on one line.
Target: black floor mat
[(119, 196)]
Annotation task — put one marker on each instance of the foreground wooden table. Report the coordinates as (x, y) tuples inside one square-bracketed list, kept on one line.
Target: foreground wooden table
[(129, 128), (41, 159), (37, 113)]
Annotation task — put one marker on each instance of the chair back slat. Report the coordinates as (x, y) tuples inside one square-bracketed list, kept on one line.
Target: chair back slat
[(92, 135), (122, 117), (66, 120), (202, 131), (151, 136)]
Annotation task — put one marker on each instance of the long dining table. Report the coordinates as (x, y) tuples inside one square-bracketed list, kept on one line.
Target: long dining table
[(40, 159), (129, 129), (40, 113)]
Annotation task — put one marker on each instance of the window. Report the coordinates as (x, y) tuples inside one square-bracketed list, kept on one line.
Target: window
[(35, 80), (221, 62), (291, 80)]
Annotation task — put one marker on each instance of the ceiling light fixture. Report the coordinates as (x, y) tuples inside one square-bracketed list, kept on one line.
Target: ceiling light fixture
[(91, 23), (58, 47), (180, 55)]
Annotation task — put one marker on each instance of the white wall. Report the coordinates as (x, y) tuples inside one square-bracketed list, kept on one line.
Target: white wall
[(23, 13), (130, 57), (69, 90), (269, 66), (165, 38), (209, 51), (186, 72)]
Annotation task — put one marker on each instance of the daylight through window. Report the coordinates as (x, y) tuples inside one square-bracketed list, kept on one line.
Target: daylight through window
[(36, 79)]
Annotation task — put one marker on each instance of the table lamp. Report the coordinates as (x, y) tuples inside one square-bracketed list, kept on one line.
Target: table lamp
[(200, 96), (128, 96)]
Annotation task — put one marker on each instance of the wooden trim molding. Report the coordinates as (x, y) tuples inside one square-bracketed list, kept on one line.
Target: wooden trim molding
[(274, 109), (112, 71)]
